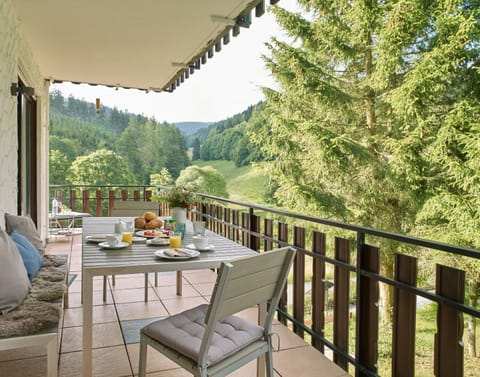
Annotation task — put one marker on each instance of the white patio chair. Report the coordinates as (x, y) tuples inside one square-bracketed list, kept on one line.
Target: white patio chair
[(208, 340)]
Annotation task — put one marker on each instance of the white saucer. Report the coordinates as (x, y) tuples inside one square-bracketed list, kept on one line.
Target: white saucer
[(96, 238), (161, 254), (160, 242), (119, 245), (209, 247)]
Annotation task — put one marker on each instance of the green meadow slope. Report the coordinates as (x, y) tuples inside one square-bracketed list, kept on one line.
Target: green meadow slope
[(244, 184)]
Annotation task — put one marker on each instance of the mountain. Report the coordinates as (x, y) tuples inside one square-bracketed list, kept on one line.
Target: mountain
[(189, 128)]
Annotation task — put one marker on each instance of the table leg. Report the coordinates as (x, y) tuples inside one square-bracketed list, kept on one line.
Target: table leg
[(146, 287), (87, 291), (179, 283)]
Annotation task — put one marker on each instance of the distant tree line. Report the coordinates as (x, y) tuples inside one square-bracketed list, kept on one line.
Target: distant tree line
[(79, 136), (230, 139)]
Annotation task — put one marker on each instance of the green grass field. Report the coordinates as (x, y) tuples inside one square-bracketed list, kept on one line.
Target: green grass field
[(244, 184)]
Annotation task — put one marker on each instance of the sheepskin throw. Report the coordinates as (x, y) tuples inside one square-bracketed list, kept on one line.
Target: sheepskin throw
[(54, 260), (30, 317), (40, 310)]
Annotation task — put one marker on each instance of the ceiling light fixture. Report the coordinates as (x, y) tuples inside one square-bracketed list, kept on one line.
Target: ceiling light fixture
[(244, 20)]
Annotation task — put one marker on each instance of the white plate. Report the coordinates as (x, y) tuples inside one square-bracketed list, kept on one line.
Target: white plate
[(96, 238), (119, 245), (160, 242), (139, 239), (208, 248), (161, 254), (141, 233)]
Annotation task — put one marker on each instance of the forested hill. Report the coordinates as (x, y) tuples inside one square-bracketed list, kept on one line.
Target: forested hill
[(112, 119), (221, 126), (139, 145), (189, 128), (229, 139), (146, 146)]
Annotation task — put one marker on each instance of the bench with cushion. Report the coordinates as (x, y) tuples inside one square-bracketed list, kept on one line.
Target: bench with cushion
[(32, 286)]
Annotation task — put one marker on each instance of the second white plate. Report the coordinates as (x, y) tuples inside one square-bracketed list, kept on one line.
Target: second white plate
[(210, 247), (160, 242), (96, 238), (106, 245)]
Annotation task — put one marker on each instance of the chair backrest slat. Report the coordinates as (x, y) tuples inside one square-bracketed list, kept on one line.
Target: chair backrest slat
[(246, 300), (248, 290), (244, 284)]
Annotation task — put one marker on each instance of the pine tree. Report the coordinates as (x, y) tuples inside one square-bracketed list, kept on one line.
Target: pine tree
[(365, 86)]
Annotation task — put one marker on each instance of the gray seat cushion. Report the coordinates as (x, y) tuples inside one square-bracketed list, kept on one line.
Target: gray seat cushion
[(183, 332)]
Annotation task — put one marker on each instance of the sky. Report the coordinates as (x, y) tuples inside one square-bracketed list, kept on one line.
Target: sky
[(226, 85)]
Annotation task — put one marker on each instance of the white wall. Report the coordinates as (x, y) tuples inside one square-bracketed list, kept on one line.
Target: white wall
[(16, 60)]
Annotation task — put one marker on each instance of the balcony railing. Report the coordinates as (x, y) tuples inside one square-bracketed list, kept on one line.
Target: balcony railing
[(347, 324)]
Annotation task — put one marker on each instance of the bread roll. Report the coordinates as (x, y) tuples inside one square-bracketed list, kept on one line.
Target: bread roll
[(153, 224), (149, 216), (140, 223)]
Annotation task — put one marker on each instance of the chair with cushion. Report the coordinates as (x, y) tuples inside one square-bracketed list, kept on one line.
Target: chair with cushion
[(208, 340)]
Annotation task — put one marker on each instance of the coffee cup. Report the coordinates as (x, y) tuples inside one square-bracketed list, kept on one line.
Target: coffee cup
[(112, 239), (200, 242)]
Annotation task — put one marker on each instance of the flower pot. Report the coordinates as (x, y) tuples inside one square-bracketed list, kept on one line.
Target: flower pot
[(179, 214)]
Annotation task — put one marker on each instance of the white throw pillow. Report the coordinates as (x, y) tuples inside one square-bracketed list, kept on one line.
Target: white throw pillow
[(14, 282), (26, 227)]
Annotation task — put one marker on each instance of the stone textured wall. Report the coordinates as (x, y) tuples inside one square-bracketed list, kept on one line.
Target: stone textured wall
[(17, 60), (8, 111)]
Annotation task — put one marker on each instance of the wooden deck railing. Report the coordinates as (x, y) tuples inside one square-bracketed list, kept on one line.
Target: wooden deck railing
[(99, 200), (348, 324)]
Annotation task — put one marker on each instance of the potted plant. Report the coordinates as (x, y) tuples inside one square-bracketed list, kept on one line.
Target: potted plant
[(179, 199)]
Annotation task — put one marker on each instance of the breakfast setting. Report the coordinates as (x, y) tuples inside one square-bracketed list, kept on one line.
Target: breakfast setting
[(164, 234)]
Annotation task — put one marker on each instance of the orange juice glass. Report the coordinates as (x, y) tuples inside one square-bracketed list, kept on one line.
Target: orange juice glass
[(127, 237), (175, 240)]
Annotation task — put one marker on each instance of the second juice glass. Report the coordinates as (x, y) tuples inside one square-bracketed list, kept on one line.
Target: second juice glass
[(175, 240)]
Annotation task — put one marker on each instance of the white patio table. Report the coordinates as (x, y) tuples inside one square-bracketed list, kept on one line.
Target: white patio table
[(55, 221), (138, 258)]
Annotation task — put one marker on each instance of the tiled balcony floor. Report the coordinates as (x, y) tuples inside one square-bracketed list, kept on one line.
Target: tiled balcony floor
[(117, 323)]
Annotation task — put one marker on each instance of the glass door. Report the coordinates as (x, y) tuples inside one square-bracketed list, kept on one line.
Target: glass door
[(27, 153)]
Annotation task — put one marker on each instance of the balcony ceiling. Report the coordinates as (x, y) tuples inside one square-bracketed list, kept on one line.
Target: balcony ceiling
[(125, 43)]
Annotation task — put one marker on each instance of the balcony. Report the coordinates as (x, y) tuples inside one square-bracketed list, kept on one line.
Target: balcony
[(118, 320), (331, 307)]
